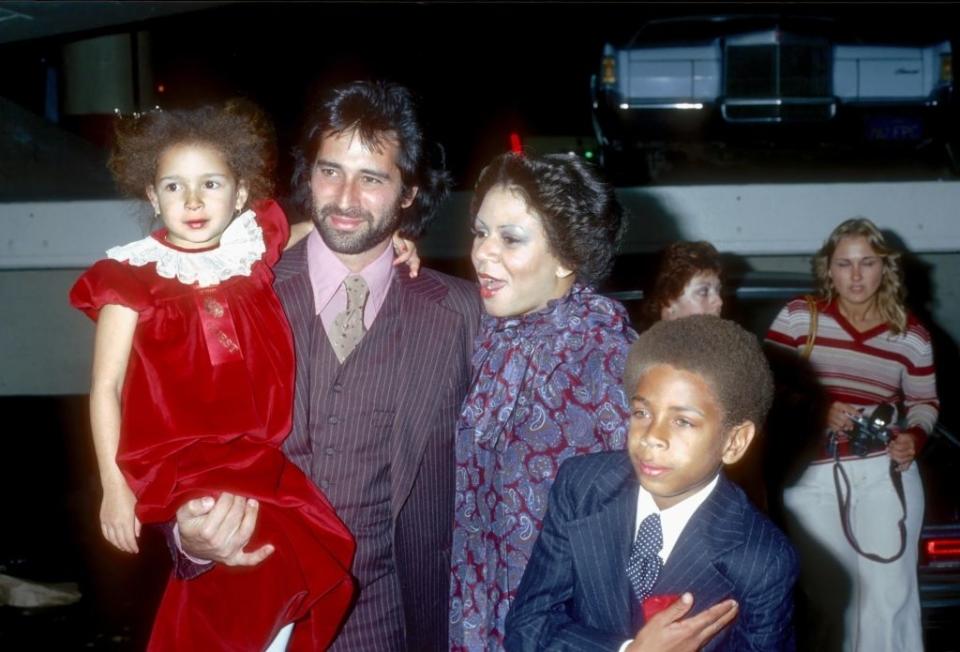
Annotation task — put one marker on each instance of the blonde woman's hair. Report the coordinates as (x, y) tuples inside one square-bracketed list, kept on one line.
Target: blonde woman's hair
[(891, 293)]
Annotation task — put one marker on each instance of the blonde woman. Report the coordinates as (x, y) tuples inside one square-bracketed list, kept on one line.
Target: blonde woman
[(865, 349)]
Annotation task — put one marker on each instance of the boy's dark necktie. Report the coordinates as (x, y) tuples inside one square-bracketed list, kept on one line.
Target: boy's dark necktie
[(643, 567)]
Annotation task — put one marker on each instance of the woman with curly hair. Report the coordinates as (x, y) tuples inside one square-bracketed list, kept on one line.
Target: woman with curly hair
[(866, 349), (687, 283), (192, 384), (547, 371)]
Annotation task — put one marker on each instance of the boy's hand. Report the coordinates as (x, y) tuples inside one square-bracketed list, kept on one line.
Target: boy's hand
[(219, 530), (666, 632), (406, 252), (118, 522)]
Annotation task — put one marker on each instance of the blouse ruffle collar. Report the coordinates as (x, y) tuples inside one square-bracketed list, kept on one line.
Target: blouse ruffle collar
[(579, 309), (241, 245)]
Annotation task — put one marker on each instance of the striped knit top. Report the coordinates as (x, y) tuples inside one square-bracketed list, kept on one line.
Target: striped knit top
[(866, 368)]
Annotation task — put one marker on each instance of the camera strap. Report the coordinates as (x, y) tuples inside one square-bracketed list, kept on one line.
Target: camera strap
[(843, 502)]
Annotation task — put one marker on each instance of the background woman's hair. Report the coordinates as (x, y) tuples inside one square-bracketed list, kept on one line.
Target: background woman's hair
[(580, 213), (891, 295), (679, 263), (239, 130)]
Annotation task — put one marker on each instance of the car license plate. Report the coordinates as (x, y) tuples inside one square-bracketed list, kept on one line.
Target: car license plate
[(894, 128)]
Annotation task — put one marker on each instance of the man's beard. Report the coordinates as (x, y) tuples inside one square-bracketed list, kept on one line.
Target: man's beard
[(363, 239)]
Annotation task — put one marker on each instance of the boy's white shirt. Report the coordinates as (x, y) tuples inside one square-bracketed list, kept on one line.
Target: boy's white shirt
[(672, 520)]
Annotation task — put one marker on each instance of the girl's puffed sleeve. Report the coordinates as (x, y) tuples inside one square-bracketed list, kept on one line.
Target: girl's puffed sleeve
[(276, 229), (110, 281)]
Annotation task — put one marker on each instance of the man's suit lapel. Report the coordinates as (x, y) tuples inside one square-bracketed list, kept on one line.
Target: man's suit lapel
[(425, 356), (292, 284), (710, 533), (601, 564)]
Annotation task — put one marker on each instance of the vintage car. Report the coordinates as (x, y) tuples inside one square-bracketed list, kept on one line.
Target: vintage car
[(775, 78)]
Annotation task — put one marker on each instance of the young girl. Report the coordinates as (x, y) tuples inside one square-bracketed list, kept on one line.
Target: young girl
[(193, 382)]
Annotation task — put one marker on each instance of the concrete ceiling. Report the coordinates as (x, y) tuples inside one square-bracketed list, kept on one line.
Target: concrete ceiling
[(20, 21)]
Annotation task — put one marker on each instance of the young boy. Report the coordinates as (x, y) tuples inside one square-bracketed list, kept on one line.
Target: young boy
[(626, 532)]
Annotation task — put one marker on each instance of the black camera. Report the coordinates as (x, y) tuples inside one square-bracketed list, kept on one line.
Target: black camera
[(871, 433)]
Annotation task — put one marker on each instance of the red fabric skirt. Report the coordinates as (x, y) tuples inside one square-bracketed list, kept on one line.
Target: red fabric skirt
[(305, 581)]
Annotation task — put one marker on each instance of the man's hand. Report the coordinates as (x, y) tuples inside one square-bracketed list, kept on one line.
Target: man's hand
[(218, 530), (666, 632)]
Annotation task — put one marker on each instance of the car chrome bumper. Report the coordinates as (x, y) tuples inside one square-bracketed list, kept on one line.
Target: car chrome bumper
[(778, 109)]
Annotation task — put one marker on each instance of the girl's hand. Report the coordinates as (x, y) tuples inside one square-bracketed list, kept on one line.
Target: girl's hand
[(839, 418), (902, 450), (118, 522), (406, 252)]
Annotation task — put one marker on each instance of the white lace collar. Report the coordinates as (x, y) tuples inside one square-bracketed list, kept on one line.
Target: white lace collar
[(241, 245)]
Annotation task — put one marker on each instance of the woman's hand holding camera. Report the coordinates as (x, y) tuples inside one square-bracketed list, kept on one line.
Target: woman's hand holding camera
[(840, 417), (902, 450)]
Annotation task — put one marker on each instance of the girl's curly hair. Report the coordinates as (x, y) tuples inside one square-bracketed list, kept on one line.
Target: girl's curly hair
[(238, 129)]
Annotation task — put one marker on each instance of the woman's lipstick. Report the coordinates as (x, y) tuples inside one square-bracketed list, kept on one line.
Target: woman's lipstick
[(489, 285)]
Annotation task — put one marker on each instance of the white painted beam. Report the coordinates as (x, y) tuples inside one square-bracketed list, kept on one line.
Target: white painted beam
[(759, 219)]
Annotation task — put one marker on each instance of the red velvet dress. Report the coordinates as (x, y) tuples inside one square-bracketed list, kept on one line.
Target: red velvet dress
[(206, 404)]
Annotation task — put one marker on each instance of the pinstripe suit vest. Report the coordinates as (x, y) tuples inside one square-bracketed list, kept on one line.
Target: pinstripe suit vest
[(375, 434)]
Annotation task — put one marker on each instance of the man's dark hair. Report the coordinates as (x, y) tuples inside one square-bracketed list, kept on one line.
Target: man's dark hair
[(375, 110), (728, 357), (579, 211)]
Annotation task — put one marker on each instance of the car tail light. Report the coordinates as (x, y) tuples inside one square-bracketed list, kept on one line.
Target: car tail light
[(946, 68), (942, 549), (608, 74)]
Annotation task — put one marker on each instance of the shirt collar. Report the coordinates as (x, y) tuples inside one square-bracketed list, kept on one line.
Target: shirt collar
[(327, 272), (673, 519)]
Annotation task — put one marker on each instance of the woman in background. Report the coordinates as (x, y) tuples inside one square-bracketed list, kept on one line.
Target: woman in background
[(866, 349), (688, 282)]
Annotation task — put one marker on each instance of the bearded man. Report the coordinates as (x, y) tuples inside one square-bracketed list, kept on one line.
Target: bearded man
[(382, 366)]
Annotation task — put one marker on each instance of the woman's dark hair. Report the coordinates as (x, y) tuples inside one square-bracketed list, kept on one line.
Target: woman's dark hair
[(377, 110), (238, 129), (679, 263), (579, 211), (728, 357)]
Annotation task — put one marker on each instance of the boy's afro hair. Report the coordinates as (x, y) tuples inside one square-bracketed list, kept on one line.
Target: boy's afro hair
[(727, 356)]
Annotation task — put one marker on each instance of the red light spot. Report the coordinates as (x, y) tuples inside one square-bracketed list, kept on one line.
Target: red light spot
[(943, 547), (161, 88), (515, 145)]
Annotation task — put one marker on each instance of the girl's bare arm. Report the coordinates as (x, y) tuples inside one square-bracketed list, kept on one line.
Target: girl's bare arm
[(114, 340)]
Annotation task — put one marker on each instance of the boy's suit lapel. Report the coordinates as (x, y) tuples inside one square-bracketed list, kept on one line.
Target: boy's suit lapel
[(600, 545), (712, 531)]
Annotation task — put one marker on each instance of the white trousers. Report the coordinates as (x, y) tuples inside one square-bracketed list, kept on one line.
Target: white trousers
[(855, 604)]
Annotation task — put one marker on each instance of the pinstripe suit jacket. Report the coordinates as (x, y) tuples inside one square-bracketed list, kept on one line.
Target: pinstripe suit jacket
[(438, 318), (575, 594)]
